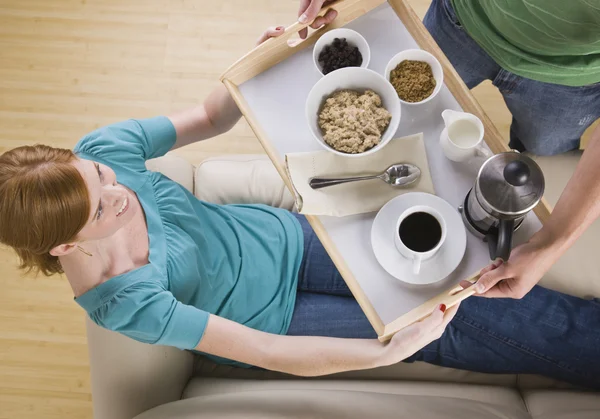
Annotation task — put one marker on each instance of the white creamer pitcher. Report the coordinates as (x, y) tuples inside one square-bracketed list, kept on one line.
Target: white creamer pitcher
[(462, 138)]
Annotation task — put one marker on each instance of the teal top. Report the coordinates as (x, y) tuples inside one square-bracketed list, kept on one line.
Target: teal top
[(240, 262)]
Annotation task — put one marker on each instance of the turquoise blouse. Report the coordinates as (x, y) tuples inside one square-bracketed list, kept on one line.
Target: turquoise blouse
[(240, 262)]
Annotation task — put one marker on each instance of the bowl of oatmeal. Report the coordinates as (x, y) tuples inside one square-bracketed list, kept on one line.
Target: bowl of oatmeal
[(353, 111)]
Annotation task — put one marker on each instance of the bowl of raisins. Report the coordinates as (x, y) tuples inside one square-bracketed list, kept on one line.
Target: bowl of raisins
[(340, 48)]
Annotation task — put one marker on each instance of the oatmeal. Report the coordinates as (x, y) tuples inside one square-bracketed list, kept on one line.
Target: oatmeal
[(352, 122)]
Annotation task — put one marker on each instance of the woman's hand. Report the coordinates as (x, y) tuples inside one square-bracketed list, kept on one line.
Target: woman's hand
[(309, 9), (411, 339)]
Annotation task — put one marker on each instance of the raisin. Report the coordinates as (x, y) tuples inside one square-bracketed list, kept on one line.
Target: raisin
[(339, 54)]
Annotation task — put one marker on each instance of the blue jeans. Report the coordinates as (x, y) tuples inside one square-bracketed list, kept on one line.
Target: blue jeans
[(546, 333), (547, 118)]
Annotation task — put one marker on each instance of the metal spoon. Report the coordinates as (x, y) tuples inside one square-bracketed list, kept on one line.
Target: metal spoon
[(399, 174)]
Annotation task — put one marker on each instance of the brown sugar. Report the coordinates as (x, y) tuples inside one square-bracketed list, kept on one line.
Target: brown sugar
[(413, 80)]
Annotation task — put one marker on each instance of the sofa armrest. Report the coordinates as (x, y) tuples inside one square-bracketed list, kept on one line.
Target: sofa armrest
[(241, 179), (129, 377)]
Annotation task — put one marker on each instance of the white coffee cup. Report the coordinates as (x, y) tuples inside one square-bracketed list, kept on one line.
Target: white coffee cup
[(462, 139), (416, 256)]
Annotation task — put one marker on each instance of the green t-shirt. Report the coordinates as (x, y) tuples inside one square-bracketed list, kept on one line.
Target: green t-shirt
[(240, 262), (553, 41)]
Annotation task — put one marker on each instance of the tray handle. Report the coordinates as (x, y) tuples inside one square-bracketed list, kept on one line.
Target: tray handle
[(450, 298), (275, 50)]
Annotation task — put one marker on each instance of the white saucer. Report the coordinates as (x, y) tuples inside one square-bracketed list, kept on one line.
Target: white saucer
[(442, 264)]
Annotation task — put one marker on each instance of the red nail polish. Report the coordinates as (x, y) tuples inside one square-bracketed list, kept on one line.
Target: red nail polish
[(443, 308), (279, 28)]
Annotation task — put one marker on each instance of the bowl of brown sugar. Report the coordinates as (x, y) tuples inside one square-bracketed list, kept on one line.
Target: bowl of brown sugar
[(416, 75)]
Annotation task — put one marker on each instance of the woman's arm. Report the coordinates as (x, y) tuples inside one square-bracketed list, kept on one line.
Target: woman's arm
[(313, 356), (577, 208), (218, 113)]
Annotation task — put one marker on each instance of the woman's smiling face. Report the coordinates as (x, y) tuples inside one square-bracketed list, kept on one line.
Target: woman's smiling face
[(112, 205)]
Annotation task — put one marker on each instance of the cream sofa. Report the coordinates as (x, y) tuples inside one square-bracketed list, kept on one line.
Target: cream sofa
[(131, 379)]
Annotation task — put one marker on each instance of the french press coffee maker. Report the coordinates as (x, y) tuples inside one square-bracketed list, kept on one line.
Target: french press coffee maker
[(508, 186)]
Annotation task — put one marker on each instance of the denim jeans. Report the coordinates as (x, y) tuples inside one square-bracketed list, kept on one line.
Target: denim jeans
[(546, 333), (547, 119)]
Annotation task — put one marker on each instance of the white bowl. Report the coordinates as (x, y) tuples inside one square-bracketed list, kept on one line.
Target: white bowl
[(418, 55), (352, 37), (359, 79)]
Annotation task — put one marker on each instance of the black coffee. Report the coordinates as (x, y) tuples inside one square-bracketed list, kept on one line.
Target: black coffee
[(420, 231)]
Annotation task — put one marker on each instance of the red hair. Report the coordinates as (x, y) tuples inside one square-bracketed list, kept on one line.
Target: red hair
[(44, 202)]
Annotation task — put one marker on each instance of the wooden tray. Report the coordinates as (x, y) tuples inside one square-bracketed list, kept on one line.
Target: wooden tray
[(269, 85)]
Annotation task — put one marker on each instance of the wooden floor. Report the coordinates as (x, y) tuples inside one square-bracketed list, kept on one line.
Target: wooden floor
[(69, 66)]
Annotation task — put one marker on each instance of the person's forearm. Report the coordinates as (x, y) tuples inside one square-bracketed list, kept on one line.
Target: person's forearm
[(221, 110), (315, 356), (218, 114), (298, 355), (579, 204), (312, 355)]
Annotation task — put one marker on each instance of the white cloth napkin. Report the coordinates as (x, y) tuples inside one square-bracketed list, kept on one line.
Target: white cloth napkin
[(355, 197)]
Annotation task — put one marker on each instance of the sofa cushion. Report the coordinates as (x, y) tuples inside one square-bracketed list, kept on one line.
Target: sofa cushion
[(563, 404), (480, 393), (418, 371), (175, 168), (310, 403), (241, 179), (530, 381)]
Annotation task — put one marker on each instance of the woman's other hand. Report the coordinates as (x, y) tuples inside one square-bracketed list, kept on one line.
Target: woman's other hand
[(411, 339)]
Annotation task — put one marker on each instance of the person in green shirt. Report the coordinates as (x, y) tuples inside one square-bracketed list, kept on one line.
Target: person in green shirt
[(543, 56)]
